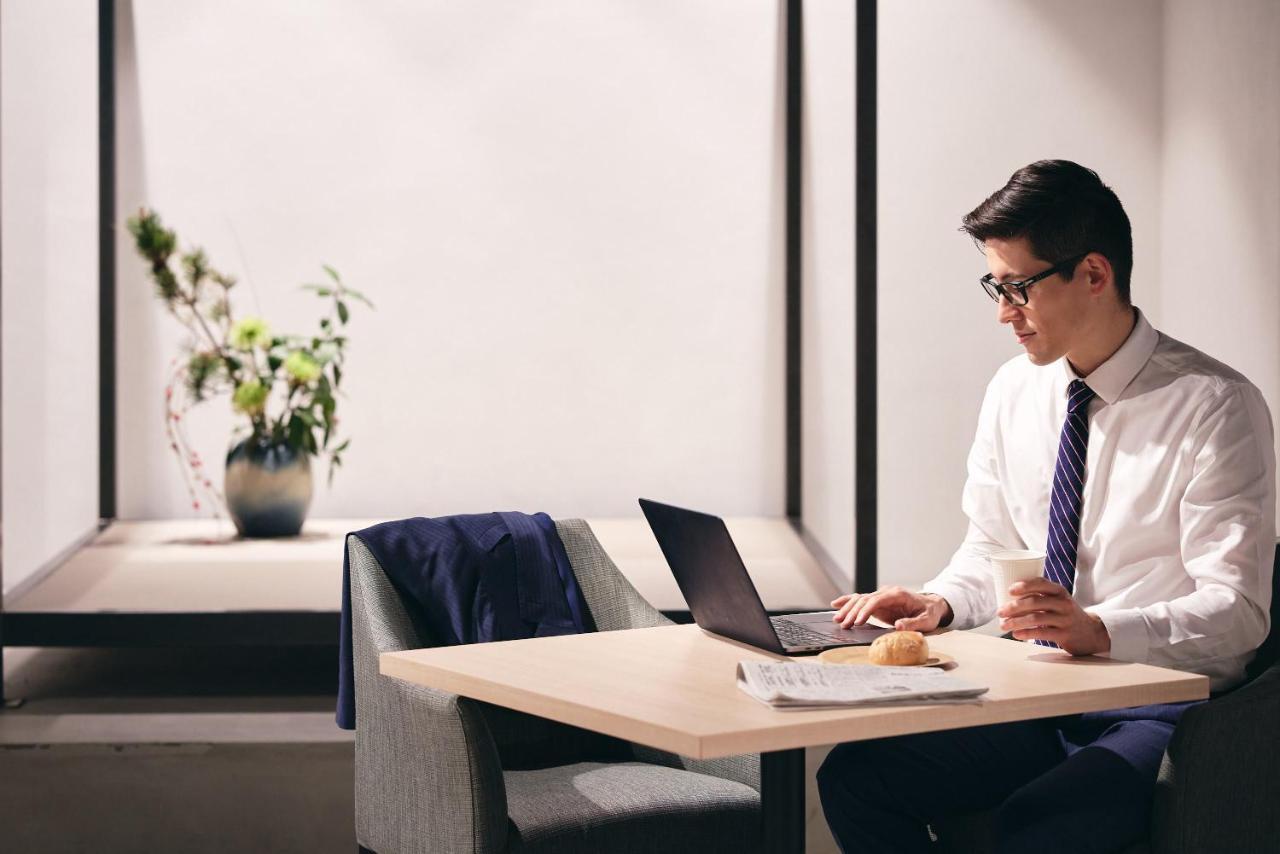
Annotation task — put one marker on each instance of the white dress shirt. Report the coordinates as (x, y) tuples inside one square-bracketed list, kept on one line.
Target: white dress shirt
[(1177, 523)]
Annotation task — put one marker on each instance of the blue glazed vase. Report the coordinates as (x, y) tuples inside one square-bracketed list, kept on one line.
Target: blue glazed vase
[(268, 488)]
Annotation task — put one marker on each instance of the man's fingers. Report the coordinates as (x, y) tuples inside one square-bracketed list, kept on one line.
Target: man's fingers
[(865, 608), (1027, 621), (1058, 636), (849, 603), (1038, 586), (873, 603), (854, 608), (860, 607), (914, 624), (1032, 604), (846, 602), (840, 600)]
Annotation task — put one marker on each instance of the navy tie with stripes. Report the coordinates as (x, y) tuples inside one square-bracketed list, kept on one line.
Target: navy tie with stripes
[(1068, 489)]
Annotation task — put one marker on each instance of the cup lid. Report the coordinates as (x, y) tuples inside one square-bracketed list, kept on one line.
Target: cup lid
[(1016, 554)]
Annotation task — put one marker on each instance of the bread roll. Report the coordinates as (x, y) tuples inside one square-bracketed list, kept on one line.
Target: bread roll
[(900, 649)]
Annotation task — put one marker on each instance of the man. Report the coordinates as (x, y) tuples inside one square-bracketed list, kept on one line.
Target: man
[(1145, 470)]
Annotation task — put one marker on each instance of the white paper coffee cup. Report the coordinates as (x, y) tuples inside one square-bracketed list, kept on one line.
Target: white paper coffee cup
[(1013, 565)]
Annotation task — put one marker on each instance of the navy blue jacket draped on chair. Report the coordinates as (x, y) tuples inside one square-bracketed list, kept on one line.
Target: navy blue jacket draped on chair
[(469, 579)]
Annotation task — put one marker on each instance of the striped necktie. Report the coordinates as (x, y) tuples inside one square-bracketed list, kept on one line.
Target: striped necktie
[(1068, 489)]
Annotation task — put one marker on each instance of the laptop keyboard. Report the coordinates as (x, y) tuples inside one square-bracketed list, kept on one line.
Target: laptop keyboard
[(794, 634)]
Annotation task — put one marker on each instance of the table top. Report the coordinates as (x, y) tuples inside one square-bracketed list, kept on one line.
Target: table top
[(200, 565), (674, 688)]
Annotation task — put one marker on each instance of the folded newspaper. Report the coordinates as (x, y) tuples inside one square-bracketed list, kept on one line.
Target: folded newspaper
[(786, 684)]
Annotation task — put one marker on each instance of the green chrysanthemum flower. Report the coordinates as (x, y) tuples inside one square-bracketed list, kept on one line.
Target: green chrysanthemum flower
[(326, 352), (301, 367), (249, 333), (250, 397)]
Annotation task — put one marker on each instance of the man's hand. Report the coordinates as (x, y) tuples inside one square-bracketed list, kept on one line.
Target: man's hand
[(903, 609), (1044, 610)]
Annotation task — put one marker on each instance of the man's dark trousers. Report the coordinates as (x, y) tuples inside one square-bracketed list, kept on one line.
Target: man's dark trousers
[(1081, 783)]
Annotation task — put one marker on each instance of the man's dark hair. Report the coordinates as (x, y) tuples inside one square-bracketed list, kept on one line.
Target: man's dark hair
[(1064, 211)]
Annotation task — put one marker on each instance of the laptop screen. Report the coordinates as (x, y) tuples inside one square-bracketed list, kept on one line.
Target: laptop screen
[(711, 574)]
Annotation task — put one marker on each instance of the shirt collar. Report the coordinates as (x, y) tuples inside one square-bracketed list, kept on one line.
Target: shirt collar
[(1113, 376)]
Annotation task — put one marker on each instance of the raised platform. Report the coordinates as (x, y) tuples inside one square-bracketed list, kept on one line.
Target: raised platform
[(193, 582)]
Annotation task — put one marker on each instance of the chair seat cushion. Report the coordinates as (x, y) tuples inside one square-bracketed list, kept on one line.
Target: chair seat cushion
[(628, 807)]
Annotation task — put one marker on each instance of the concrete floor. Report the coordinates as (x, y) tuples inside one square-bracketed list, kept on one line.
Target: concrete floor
[(174, 750)]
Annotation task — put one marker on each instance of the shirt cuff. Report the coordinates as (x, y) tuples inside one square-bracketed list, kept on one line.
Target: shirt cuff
[(956, 598), (1128, 631)]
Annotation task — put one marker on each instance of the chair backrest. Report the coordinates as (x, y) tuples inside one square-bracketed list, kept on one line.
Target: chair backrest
[(381, 623), (613, 602), (1269, 652)]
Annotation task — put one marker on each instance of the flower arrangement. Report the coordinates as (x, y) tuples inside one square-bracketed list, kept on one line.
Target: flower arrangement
[(284, 385)]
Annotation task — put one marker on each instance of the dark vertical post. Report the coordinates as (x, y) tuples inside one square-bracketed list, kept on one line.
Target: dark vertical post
[(864, 371), (106, 260), (782, 808), (795, 79)]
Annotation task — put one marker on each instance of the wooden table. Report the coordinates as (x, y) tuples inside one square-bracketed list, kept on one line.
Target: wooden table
[(674, 688)]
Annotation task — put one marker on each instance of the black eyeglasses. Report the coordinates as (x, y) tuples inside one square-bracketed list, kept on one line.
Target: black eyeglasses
[(1016, 292)]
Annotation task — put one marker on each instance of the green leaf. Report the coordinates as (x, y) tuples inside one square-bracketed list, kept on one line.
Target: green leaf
[(340, 448), (333, 274), (195, 264), (337, 374), (166, 283), (274, 363), (154, 242), (322, 290), (296, 431), (354, 293), (343, 314)]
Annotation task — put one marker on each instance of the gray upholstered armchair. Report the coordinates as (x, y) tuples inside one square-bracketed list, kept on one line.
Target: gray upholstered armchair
[(1220, 775), (440, 773)]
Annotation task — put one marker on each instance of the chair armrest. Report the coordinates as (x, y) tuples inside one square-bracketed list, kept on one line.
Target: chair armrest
[(1221, 770), (427, 773), (428, 777)]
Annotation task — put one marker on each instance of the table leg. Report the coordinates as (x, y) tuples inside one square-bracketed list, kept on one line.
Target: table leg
[(782, 801)]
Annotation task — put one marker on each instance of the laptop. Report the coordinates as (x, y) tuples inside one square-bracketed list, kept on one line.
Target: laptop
[(721, 596)]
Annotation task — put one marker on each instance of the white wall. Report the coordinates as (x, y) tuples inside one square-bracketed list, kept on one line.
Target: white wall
[(640, 208), (569, 215), (970, 92), (49, 252), (1221, 184), (827, 293)]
